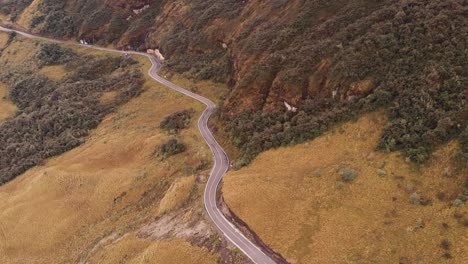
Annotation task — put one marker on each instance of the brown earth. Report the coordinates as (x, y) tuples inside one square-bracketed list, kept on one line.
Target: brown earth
[(294, 200)]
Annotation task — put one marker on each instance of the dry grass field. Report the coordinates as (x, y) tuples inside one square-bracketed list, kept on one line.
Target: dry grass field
[(3, 39), (55, 72), (31, 11), (294, 200), (209, 89), (90, 204)]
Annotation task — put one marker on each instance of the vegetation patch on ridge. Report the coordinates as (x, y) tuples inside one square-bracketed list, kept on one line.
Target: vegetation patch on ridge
[(56, 116)]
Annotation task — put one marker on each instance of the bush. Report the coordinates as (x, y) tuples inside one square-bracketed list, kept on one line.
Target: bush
[(13, 7), (59, 24), (98, 18), (176, 121), (53, 54), (37, 20), (347, 174), (445, 244), (170, 148), (30, 90)]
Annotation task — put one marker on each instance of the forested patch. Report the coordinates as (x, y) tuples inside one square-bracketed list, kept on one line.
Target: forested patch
[(13, 7), (310, 53), (54, 54), (56, 116), (177, 121), (170, 148), (415, 55)]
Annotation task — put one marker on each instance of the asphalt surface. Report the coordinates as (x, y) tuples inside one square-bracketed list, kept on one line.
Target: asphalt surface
[(221, 160)]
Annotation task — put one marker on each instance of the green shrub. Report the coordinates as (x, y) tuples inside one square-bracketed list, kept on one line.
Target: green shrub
[(347, 174), (37, 20), (13, 7), (53, 54), (170, 148), (97, 18), (59, 24), (176, 121)]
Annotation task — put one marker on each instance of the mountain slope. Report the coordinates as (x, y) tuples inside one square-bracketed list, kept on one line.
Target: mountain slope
[(390, 211), (113, 198), (331, 59)]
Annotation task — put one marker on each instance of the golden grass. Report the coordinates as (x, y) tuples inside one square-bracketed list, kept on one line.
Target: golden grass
[(177, 194), (3, 19), (3, 39), (28, 14), (78, 204), (138, 251), (7, 108), (19, 51), (209, 89), (312, 219), (55, 72), (108, 97)]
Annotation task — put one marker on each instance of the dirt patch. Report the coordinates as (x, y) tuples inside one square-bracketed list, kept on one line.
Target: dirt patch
[(179, 225), (134, 250)]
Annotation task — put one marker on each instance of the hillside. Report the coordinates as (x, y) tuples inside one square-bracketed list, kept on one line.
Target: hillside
[(335, 200), (111, 198), (346, 122), (331, 59)]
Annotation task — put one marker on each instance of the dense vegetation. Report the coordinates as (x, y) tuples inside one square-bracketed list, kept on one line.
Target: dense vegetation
[(56, 116), (173, 123), (53, 54), (415, 56), (170, 148), (315, 54), (13, 7)]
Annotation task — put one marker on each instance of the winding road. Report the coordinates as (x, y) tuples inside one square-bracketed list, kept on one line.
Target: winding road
[(221, 160)]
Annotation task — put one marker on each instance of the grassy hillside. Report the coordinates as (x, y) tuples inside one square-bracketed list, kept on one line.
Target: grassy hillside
[(332, 59), (397, 176), (111, 199), (336, 200), (55, 116)]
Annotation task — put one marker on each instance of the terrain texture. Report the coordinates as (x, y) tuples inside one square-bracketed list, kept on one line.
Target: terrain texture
[(336, 200), (120, 196), (346, 120), (331, 59)]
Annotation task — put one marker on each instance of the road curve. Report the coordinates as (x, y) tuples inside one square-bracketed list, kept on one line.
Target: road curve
[(221, 160)]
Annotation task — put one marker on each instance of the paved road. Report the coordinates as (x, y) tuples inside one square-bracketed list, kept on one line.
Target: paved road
[(221, 160)]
